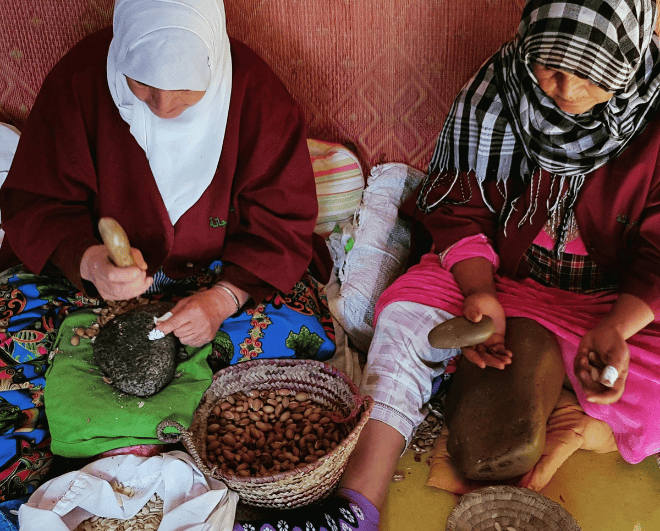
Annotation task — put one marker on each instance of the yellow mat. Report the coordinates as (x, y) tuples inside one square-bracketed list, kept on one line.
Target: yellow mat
[(601, 491)]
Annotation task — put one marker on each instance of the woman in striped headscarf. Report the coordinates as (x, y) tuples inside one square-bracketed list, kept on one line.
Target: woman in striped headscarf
[(542, 201)]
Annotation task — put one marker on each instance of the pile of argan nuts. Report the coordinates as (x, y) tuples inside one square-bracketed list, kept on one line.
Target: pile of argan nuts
[(112, 310), (147, 519), (424, 438), (261, 433)]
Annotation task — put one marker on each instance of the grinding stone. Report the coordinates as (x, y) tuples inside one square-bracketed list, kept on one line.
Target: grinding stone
[(497, 418), (137, 365), (460, 332)]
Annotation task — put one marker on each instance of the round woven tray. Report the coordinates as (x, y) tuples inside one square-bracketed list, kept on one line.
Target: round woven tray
[(505, 508), (307, 484)]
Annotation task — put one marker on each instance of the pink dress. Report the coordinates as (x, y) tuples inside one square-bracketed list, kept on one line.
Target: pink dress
[(635, 418)]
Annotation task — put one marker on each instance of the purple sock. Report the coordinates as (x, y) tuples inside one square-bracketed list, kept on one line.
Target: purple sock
[(348, 510)]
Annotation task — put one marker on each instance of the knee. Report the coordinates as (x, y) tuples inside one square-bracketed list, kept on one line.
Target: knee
[(497, 418)]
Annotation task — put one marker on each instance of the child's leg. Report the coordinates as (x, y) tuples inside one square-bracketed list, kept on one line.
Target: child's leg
[(399, 373), (401, 366)]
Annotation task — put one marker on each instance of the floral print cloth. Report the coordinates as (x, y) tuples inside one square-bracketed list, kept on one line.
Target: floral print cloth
[(32, 307)]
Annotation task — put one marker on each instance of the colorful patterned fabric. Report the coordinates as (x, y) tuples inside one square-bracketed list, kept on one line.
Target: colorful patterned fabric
[(339, 184), (347, 511), (293, 325), (32, 308), (9, 514)]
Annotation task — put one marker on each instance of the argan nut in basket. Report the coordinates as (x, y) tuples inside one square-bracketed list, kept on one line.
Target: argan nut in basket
[(279, 432), (266, 432)]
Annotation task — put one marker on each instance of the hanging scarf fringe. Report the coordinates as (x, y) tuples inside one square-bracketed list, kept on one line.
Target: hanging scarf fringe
[(432, 181), (559, 204)]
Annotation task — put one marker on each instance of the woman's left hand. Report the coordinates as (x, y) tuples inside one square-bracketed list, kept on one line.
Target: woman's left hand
[(608, 347), (196, 319)]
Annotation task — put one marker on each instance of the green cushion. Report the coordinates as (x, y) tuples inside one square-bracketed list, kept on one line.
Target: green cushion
[(87, 416)]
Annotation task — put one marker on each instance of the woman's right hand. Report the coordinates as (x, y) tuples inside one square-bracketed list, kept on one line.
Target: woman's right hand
[(492, 352), (112, 282)]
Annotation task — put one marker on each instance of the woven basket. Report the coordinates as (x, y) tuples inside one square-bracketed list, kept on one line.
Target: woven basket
[(505, 508), (325, 386)]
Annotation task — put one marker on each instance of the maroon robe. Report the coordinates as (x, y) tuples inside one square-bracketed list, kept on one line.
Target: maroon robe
[(617, 213), (77, 161)]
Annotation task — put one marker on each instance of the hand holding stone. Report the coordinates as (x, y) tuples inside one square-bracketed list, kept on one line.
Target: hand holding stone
[(117, 271), (460, 332), (478, 341)]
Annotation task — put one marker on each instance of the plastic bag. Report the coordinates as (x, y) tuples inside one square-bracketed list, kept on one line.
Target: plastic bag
[(379, 250), (191, 501)]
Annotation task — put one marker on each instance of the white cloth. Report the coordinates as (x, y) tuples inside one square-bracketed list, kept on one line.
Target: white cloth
[(380, 250), (9, 136), (191, 501), (174, 45)]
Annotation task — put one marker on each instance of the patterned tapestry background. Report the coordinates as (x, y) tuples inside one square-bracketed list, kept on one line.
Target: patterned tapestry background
[(378, 73)]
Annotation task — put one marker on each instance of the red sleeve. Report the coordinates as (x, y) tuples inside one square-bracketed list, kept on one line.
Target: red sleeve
[(45, 200), (274, 189), (618, 214), (67, 257), (641, 276), (246, 281), (461, 214)]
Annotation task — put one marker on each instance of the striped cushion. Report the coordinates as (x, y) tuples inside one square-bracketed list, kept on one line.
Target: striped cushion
[(339, 184)]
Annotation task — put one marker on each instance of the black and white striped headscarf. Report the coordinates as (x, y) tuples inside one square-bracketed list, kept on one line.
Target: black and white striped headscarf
[(503, 124)]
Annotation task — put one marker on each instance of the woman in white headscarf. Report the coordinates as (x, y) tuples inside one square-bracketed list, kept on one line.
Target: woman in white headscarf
[(194, 146), (170, 75), (189, 141)]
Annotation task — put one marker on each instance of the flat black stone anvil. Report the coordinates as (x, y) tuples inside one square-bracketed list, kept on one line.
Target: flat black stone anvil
[(135, 364)]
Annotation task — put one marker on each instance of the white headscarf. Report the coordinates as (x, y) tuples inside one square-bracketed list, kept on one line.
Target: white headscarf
[(174, 45)]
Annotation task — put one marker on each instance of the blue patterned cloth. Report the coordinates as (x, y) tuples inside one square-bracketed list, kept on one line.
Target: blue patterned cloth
[(9, 514), (32, 308)]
